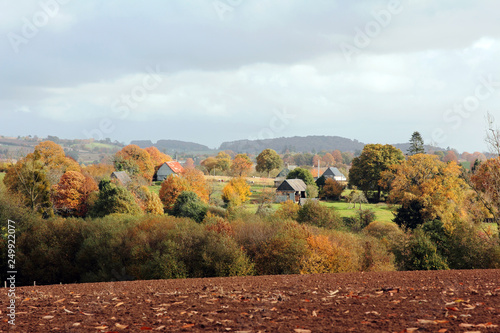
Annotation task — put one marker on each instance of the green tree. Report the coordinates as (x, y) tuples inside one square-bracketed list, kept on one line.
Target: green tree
[(268, 160), (416, 144), (114, 199), (223, 161), (188, 204), (301, 173), (366, 169)]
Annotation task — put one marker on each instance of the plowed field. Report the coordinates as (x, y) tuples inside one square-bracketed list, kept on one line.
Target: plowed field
[(438, 301)]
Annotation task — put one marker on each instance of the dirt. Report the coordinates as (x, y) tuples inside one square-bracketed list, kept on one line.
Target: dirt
[(438, 301)]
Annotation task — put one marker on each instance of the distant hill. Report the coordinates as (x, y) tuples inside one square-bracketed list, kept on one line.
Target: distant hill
[(295, 144), (171, 146), (404, 147)]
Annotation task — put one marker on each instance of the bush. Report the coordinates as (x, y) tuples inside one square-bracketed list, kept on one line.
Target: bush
[(361, 219), (287, 210), (418, 252), (312, 212), (410, 215), (188, 204)]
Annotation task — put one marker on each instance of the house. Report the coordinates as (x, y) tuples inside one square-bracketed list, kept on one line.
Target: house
[(282, 175), (291, 189), (335, 174), (167, 169), (122, 177)]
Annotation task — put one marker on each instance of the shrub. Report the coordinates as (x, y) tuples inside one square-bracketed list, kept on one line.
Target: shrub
[(188, 204), (287, 210), (418, 252), (312, 212)]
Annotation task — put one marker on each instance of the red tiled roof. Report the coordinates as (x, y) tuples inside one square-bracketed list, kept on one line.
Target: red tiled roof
[(175, 166)]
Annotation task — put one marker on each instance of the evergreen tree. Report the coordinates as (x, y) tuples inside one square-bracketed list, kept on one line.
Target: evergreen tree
[(416, 144)]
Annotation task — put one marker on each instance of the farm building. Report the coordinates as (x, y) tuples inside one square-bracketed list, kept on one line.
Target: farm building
[(167, 169), (291, 189), (122, 177), (335, 174), (282, 175)]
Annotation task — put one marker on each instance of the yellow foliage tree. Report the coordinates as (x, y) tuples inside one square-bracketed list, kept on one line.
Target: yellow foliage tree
[(137, 157), (323, 256), (437, 185), (236, 192), (190, 180)]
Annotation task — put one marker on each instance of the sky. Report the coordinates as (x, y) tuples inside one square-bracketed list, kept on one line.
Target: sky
[(210, 71)]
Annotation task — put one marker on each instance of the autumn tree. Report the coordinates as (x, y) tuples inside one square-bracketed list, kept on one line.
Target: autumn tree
[(337, 155), (170, 190), (210, 163), (149, 201), (450, 157), (435, 184), (329, 160), (241, 165), (191, 180), (134, 155), (28, 179), (223, 161), (268, 160), (189, 163), (366, 169), (99, 171), (316, 161), (197, 183), (486, 183), (70, 195), (332, 189), (416, 144), (54, 160), (157, 157), (236, 192)]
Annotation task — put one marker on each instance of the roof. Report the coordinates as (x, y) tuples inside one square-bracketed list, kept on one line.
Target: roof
[(122, 177), (296, 185), (175, 166), (331, 171), (283, 173)]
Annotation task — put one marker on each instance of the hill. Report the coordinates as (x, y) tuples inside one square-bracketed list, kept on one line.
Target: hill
[(172, 146), (294, 144)]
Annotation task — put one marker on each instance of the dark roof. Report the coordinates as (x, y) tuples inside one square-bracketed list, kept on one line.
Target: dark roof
[(331, 171), (296, 185), (283, 173), (122, 177)]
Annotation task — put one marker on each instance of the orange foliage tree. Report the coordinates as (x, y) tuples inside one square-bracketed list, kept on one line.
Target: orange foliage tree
[(191, 180), (137, 156), (324, 256), (70, 195), (189, 163), (53, 158), (486, 183), (98, 171), (337, 156), (157, 157), (435, 184), (242, 165), (329, 160)]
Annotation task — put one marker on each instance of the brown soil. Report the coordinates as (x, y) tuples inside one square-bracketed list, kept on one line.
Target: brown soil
[(442, 301)]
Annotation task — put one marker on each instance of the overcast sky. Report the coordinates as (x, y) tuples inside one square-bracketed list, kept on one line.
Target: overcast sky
[(210, 71)]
